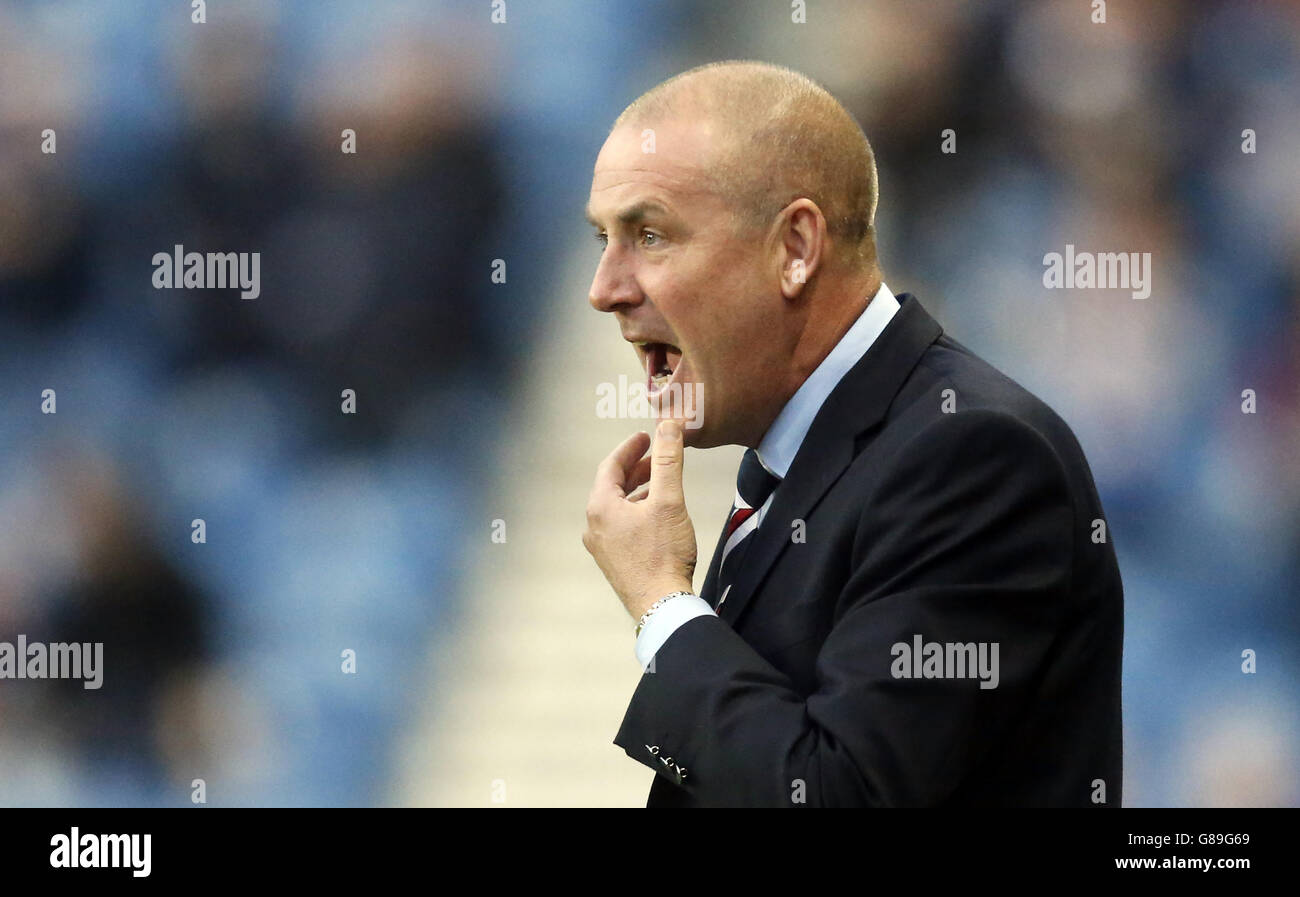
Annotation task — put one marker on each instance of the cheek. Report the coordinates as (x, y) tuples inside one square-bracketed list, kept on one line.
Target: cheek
[(720, 369), (709, 311)]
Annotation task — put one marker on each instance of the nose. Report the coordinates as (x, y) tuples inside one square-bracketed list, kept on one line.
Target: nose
[(614, 287)]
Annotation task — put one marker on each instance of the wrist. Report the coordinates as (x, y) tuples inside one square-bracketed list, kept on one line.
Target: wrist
[(658, 589), (678, 593)]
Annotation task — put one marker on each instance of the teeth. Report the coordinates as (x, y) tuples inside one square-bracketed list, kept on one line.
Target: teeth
[(660, 372)]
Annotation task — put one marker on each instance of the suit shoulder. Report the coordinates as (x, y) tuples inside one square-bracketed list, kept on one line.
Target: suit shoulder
[(951, 380)]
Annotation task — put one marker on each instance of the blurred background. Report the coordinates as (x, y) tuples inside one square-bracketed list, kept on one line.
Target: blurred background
[(494, 671)]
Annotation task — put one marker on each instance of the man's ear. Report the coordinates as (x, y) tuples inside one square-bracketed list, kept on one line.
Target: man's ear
[(802, 244)]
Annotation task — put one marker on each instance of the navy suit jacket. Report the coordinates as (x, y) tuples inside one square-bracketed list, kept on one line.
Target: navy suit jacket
[(932, 497)]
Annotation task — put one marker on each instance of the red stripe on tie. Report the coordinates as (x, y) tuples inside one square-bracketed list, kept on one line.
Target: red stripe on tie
[(737, 518)]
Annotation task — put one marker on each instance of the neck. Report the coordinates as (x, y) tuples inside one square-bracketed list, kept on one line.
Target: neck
[(826, 326)]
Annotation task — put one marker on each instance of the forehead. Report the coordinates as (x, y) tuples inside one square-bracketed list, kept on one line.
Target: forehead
[(668, 160)]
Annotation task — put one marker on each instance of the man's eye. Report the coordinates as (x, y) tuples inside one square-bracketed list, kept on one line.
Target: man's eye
[(646, 235), (602, 239)]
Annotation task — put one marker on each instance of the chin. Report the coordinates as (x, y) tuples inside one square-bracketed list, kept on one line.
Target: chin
[(700, 437), (696, 436), (683, 403)]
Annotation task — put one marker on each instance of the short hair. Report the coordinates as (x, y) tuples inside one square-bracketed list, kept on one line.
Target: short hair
[(792, 139)]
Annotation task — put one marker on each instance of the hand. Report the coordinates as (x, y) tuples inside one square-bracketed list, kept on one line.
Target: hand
[(637, 526)]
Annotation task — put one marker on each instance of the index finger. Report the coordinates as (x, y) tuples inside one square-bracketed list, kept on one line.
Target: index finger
[(666, 464)]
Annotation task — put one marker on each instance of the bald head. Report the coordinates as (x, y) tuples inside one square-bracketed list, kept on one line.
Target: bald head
[(781, 137)]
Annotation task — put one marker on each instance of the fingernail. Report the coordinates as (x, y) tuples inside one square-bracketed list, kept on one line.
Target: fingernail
[(670, 429)]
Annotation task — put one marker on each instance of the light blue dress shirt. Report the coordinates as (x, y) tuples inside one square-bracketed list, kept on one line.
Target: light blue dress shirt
[(778, 448)]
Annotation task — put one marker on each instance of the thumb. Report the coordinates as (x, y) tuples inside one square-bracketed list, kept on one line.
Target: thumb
[(666, 464)]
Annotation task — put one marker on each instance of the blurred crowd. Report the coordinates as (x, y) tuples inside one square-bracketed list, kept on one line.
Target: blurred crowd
[(328, 531), (325, 532)]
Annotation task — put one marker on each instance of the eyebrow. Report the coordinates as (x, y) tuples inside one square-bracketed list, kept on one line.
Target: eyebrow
[(633, 214)]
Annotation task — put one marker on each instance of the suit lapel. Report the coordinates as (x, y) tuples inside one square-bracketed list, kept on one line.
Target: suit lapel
[(857, 403), (709, 589)]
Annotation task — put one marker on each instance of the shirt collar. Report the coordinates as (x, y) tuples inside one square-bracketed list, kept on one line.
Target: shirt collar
[(783, 438)]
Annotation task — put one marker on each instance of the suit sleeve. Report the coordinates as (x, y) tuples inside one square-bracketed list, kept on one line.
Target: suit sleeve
[(967, 539)]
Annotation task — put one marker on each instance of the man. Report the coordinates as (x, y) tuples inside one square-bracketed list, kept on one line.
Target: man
[(914, 600)]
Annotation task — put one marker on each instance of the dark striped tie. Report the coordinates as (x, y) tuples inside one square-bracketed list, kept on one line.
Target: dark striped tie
[(753, 487)]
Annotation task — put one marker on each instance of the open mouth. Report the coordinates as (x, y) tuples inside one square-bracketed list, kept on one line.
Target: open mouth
[(662, 362)]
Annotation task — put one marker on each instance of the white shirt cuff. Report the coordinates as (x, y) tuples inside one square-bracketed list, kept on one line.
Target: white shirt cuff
[(664, 622)]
